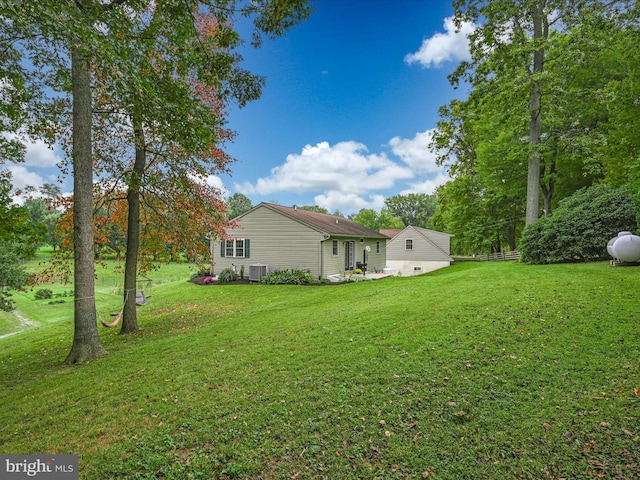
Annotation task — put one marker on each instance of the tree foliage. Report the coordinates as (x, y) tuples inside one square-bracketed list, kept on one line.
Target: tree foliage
[(582, 128), (580, 227), (377, 220), (412, 209), (134, 46), (19, 237), (237, 204)]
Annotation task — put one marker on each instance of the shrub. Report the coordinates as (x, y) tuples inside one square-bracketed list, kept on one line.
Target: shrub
[(227, 276), (203, 272), (356, 278), (287, 277), (581, 226), (44, 293)]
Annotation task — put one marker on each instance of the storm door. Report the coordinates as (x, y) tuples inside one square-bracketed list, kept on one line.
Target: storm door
[(349, 255)]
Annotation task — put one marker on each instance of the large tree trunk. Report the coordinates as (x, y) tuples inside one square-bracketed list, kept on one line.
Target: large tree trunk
[(129, 317), (535, 103), (86, 341)]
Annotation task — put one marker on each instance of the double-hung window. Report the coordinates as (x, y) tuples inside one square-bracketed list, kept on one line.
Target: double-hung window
[(335, 248), (236, 248), (408, 244)]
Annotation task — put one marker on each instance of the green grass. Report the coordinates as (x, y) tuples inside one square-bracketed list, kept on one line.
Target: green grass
[(480, 370)]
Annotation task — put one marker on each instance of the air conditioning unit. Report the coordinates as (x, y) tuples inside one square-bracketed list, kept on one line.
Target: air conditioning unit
[(257, 271)]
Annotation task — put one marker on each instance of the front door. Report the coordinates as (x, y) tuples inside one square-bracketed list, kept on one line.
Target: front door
[(349, 255)]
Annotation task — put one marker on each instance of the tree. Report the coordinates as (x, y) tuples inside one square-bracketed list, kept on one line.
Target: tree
[(18, 239), (50, 30), (412, 209), (377, 220), (510, 51), (237, 204), (314, 208), (485, 140)]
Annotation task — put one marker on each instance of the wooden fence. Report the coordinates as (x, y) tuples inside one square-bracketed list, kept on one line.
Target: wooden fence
[(501, 256)]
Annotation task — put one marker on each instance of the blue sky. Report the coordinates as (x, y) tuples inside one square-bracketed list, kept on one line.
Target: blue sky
[(352, 95)]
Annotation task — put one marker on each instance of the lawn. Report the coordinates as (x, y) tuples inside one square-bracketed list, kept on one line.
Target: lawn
[(480, 370)]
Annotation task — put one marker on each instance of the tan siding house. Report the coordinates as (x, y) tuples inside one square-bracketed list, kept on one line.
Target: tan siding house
[(280, 238), (415, 250)]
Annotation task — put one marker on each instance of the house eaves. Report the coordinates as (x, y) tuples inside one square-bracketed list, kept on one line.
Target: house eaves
[(329, 225)]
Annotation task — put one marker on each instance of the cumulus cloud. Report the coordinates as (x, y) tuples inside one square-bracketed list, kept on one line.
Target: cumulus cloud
[(347, 177), (22, 177), (415, 152), (428, 185), (40, 155), (346, 167), (443, 47), (348, 202)]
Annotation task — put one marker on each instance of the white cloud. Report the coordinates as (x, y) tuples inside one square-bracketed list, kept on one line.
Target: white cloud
[(38, 154), (348, 202), (415, 152), (443, 47), (216, 182), (346, 167), (21, 177), (346, 177), (427, 186)]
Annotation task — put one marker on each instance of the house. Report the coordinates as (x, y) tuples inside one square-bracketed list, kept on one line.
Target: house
[(415, 250), (273, 237)]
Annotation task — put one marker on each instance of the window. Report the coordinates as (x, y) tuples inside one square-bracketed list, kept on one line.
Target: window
[(377, 247), (239, 248), (408, 244), (236, 248), (335, 248)]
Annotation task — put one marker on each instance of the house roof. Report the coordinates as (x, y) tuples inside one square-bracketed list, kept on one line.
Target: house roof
[(329, 224), (390, 232)]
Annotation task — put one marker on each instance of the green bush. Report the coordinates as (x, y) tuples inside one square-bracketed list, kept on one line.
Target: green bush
[(227, 276), (580, 228), (44, 293), (287, 277), (356, 277)]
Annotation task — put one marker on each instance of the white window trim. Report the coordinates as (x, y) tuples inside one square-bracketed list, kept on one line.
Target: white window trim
[(235, 248)]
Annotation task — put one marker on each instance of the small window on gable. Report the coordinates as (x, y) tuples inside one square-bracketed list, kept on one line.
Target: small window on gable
[(408, 244), (335, 248)]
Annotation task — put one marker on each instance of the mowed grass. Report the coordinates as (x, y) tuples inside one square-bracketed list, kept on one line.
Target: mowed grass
[(480, 370)]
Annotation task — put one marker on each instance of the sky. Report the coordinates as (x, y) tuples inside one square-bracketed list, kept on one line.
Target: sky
[(351, 98)]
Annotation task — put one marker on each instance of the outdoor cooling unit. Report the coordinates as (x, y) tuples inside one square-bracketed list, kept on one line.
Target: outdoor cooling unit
[(257, 271)]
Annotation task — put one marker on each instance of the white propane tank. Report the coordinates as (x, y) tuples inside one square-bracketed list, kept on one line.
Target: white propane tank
[(625, 247)]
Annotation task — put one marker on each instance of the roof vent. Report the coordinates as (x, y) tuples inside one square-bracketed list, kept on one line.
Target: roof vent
[(336, 221)]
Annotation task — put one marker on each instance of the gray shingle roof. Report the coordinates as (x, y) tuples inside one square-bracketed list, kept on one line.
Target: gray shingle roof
[(329, 224)]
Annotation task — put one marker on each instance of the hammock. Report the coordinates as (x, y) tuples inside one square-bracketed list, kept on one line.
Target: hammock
[(112, 324), (118, 316), (140, 300)]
